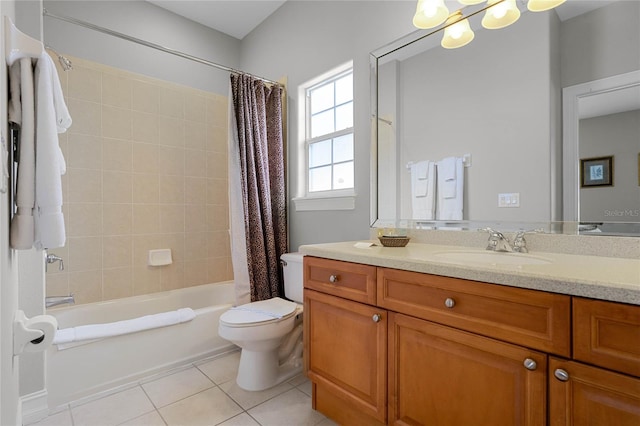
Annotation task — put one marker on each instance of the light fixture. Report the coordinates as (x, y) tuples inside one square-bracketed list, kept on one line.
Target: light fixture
[(542, 5), (470, 2), (458, 33), (501, 13), (430, 13)]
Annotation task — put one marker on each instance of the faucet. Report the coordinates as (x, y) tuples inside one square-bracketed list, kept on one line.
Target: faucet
[(520, 244), (51, 258), (51, 301), (497, 241)]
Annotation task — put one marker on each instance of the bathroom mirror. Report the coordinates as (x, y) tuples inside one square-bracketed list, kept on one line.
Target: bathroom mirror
[(498, 103)]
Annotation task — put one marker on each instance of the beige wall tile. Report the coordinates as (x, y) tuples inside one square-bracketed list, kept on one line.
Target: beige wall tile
[(195, 190), (146, 219), (218, 192), (84, 220), (218, 244), (117, 283), (195, 246), (171, 102), (175, 242), (84, 151), (84, 185), (195, 273), (171, 132), (117, 251), (146, 280), (58, 285), (146, 97), (87, 117), (195, 135), (116, 122), (195, 218), (195, 163), (171, 189), (218, 270), (216, 165), (141, 246), (117, 155), (195, 107), (117, 219), (117, 187), (116, 90), (216, 139), (217, 108), (85, 84), (217, 218), (171, 160), (86, 286), (171, 218), (172, 276), (146, 188), (145, 158), (145, 127), (85, 253), (62, 252)]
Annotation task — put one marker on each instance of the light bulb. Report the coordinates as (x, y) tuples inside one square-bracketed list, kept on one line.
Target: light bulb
[(499, 10), (500, 14), (458, 33), (429, 9), (430, 13)]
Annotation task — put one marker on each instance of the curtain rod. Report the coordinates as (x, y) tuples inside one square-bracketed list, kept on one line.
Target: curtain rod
[(151, 45)]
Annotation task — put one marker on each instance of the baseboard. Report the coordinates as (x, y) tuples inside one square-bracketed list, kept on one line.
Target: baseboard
[(34, 407)]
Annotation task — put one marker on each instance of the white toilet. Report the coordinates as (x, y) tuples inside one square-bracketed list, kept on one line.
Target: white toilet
[(269, 332)]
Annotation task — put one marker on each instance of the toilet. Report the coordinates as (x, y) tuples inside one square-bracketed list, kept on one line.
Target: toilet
[(269, 332)]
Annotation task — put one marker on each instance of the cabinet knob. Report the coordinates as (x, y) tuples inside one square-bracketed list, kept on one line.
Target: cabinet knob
[(530, 364), (334, 278), (561, 374), (449, 303), (376, 317)]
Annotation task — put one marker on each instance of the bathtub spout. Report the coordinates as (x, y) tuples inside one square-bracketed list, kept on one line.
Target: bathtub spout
[(58, 300)]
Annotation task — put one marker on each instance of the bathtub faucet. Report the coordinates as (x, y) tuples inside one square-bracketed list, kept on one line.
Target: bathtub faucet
[(58, 300)]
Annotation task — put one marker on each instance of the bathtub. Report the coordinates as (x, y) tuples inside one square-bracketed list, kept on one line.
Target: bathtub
[(86, 368)]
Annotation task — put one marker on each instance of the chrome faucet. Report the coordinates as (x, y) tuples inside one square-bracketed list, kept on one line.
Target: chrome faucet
[(58, 300), (497, 241), (520, 244), (51, 258)]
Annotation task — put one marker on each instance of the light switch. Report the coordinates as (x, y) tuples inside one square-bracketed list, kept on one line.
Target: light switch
[(511, 199)]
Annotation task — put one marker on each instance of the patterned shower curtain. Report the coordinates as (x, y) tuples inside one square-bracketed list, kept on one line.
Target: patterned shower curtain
[(257, 108)]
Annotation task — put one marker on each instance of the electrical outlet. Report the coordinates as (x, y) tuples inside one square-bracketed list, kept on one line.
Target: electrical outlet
[(509, 200)]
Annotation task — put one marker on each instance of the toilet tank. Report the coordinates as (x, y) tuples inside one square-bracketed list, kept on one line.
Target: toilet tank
[(293, 276)]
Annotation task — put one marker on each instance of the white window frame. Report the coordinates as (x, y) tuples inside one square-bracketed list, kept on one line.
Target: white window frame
[(336, 199)]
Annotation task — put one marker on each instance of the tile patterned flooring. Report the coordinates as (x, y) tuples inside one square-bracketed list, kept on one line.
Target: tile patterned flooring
[(201, 394)]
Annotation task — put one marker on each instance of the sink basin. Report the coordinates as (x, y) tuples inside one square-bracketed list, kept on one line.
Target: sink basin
[(489, 258)]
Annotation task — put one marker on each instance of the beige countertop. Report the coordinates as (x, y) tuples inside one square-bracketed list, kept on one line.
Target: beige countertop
[(605, 278)]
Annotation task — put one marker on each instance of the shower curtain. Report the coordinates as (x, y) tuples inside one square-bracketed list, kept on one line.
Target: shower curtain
[(257, 188)]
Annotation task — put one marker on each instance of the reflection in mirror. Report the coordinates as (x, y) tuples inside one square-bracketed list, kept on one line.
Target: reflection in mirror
[(496, 103)]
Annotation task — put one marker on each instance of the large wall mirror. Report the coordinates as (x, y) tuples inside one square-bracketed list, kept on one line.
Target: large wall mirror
[(496, 107)]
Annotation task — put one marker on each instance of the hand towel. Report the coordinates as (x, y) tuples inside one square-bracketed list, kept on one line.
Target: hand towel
[(52, 118), (423, 191), (22, 223), (447, 177), (452, 208), (100, 331)]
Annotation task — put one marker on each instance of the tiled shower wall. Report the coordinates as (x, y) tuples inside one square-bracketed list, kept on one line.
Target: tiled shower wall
[(146, 169)]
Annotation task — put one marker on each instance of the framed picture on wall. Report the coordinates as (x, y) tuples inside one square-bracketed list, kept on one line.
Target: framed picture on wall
[(596, 172)]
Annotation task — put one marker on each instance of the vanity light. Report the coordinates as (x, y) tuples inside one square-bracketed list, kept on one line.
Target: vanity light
[(430, 13), (457, 34), (542, 5), (500, 14), (470, 2)]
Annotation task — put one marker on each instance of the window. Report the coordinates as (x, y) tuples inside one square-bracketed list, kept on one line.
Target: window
[(329, 134)]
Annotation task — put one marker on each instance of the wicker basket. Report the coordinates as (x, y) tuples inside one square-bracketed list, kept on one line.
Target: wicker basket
[(394, 240)]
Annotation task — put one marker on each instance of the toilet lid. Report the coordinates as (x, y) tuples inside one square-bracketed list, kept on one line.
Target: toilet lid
[(264, 311)]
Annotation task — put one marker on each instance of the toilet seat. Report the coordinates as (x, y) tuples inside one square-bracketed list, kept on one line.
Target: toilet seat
[(262, 312)]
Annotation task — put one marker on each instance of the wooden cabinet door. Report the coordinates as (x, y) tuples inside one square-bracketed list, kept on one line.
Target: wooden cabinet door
[(441, 376), (346, 357), (583, 395)]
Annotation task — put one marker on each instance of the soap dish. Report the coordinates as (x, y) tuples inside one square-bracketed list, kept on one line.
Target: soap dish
[(394, 240)]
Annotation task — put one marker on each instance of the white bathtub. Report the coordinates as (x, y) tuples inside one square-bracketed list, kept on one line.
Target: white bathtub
[(96, 366)]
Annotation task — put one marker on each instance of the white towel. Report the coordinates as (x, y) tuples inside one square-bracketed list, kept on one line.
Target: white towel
[(52, 118), (423, 190), (100, 331), (452, 208), (447, 177), (22, 109)]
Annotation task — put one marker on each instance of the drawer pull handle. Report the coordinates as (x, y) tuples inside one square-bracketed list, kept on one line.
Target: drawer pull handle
[(530, 364), (376, 317), (561, 375), (449, 303), (334, 278)]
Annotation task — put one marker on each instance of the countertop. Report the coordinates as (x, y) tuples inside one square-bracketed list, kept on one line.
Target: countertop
[(597, 277)]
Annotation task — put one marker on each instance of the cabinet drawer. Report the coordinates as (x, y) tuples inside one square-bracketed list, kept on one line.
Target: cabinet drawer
[(607, 334), (348, 280), (530, 318)]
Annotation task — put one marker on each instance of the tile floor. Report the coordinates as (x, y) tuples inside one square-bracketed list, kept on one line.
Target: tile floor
[(204, 393)]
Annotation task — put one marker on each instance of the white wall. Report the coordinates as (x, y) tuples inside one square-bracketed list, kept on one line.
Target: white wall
[(303, 39)]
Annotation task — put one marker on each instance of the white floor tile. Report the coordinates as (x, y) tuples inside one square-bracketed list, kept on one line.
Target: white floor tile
[(248, 399), (206, 408), (292, 408), (177, 386), (150, 419), (242, 420), (298, 380), (327, 422), (113, 409), (222, 369), (62, 418)]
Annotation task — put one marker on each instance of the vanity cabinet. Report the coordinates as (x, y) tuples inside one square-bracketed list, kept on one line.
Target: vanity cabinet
[(433, 350)]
